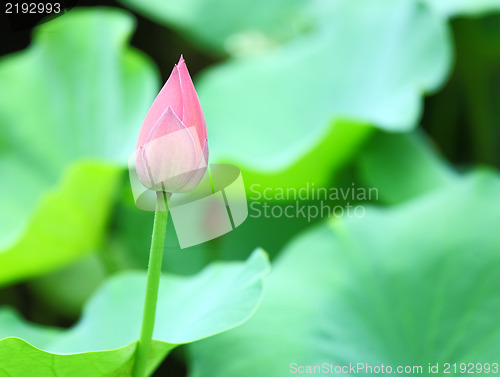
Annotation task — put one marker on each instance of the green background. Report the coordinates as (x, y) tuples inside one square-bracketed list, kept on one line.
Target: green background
[(398, 95)]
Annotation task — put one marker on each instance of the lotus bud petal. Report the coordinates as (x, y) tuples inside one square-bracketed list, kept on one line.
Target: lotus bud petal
[(172, 148)]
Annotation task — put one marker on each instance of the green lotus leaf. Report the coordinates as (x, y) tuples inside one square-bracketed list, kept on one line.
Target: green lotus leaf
[(402, 166), (372, 290), (102, 343), (451, 8), (70, 108), (315, 97), (228, 25)]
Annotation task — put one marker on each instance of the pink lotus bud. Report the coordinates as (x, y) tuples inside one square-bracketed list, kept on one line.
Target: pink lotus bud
[(172, 149)]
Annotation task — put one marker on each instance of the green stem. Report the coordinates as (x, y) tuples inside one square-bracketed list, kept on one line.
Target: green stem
[(153, 282)]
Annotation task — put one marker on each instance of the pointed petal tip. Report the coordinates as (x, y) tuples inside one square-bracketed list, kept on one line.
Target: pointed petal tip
[(181, 59)]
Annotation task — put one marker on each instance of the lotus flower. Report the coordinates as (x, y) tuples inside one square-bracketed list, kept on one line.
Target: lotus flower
[(172, 149)]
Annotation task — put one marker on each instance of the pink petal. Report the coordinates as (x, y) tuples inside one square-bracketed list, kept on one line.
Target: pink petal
[(170, 96), (198, 173), (192, 114), (168, 157)]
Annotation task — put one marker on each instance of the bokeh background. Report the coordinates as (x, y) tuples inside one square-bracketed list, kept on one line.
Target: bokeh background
[(398, 95)]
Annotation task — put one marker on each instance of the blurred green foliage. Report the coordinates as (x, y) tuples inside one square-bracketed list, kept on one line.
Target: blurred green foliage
[(219, 25)]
